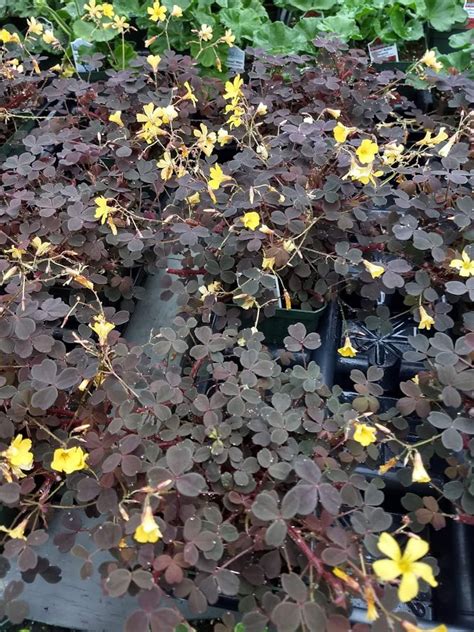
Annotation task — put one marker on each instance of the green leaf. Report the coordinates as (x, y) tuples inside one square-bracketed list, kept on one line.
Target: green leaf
[(443, 14), (207, 58), (460, 40), (405, 29), (309, 28), (345, 27), (242, 22), (90, 33), (279, 38), (307, 5), (124, 53)]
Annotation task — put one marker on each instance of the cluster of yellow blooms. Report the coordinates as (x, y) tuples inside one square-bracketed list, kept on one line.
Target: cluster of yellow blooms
[(19, 458), (234, 95), (362, 170), (105, 10)]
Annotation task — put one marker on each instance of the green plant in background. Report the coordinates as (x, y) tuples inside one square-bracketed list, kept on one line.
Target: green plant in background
[(366, 20), (463, 50), (120, 29)]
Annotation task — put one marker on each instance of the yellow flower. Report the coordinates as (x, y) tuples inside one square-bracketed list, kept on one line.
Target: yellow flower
[(347, 351), (168, 113), (364, 434), (217, 177), (426, 321), (9, 38), (223, 137), (435, 140), (102, 328), (157, 13), (148, 530), (49, 38), (465, 265), (405, 564), (411, 627), (372, 613), (16, 252), (366, 151), (120, 24), (81, 279), (41, 247), (212, 288), (189, 96), (206, 139), (233, 88), (429, 59), (392, 153), (205, 32), (34, 27), (388, 465), (268, 263), (193, 199), (116, 117), (236, 121), (419, 474), (151, 114), (69, 460), (446, 149), (107, 9), (247, 300), (19, 455), (176, 11), (93, 9), (154, 61), (347, 579), (334, 113), (341, 132), (251, 220), (18, 532), (362, 174), (228, 38), (374, 270), (166, 164), (262, 109), (103, 212), (289, 246)]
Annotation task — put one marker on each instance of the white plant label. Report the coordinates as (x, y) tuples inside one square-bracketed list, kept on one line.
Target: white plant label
[(383, 52), (236, 59), (76, 45)]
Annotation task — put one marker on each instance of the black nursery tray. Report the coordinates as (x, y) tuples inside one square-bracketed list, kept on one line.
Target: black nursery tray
[(453, 600)]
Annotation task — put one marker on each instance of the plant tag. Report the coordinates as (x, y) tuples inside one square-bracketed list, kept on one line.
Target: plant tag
[(383, 52), (469, 9), (76, 45), (236, 59)]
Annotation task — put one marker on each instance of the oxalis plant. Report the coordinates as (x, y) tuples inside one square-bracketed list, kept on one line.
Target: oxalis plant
[(205, 463)]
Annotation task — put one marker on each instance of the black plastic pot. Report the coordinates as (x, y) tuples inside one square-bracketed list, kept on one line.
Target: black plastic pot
[(453, 600), (275, 328), (440, 39), (421, 98)]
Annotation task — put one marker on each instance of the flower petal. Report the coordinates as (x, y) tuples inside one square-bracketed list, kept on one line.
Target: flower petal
[(415, 549), (408, 589), (386, 570), (423, 570), (389, 546)]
